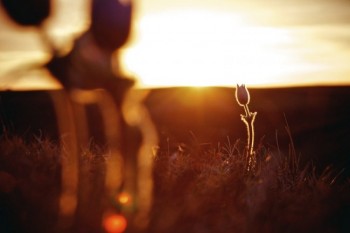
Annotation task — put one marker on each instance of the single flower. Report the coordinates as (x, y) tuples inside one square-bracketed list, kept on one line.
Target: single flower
[(242, 95)]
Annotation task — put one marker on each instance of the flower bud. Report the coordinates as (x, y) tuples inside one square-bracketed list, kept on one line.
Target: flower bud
[(242, 95)]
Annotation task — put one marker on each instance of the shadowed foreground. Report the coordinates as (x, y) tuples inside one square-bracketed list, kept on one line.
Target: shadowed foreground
[(199, 176), (197, 189)]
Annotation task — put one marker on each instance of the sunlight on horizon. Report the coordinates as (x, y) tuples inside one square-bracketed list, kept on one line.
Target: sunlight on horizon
[(202, 43), (221, 43), (204, 48)]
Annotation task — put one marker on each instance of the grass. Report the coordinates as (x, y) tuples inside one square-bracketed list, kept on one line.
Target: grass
[(197, 189), (209, 191), (29, 185), (233, 186)]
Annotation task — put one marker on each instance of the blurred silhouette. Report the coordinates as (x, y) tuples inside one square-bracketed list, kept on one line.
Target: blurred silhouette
[(110, 23), (27, 12), (89, 67), (89, 63), (93, 84)]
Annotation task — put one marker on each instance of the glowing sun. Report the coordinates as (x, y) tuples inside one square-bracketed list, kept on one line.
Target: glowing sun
[(205, 48)]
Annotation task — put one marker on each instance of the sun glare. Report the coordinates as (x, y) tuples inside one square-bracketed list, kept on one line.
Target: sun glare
[(204, 48), (200, 43)]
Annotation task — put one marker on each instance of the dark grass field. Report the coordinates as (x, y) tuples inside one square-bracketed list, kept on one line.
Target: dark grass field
[(318, 118), (196, 190), (199, 174)]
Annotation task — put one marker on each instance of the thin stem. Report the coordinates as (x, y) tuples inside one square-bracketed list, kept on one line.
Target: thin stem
[(252, 159), (252, 134), (248, 120), (246, 109), (245, 121)]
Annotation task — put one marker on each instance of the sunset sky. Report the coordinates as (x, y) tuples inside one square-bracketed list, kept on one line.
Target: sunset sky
[(204, 43)]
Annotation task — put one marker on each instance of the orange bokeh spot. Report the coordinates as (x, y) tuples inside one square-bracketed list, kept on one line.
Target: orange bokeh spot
[(115, 223), (124, 198)]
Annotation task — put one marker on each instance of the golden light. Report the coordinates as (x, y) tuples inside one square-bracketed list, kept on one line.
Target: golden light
[(22, 51), (115, 223), (68, 204), (202, 43), (221, 43), (204, 48), (124, 198)]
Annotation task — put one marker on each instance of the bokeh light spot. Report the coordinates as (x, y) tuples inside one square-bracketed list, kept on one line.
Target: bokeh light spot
[(124, 198), (115, 223)]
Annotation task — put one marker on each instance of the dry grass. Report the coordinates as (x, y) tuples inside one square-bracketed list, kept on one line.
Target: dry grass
[(197, 189), (208, 191), (29, 178)]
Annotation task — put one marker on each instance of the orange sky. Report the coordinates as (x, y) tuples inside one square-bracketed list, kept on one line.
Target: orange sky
[(206, 42)]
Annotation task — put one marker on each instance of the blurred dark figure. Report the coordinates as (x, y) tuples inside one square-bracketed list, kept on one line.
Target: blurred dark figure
[(14, 204), (110, 23), (27, 12), (90, 65), (93, 64)]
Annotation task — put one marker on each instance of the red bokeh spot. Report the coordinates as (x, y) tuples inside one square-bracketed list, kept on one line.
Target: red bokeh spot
[(115, 223)]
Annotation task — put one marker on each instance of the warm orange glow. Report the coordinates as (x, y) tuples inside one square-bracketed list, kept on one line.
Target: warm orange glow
[(124, 198), (204, 48), (115, 223), (201, 43), (22, 50), (221, 43), (67, 204)]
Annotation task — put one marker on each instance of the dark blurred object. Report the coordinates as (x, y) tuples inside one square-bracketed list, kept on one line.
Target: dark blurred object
[(96, 90), (110, 23), (27, 12), (89, 64), (88, 67)]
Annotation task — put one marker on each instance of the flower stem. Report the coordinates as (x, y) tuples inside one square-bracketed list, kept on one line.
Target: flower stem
[(248, 120)]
